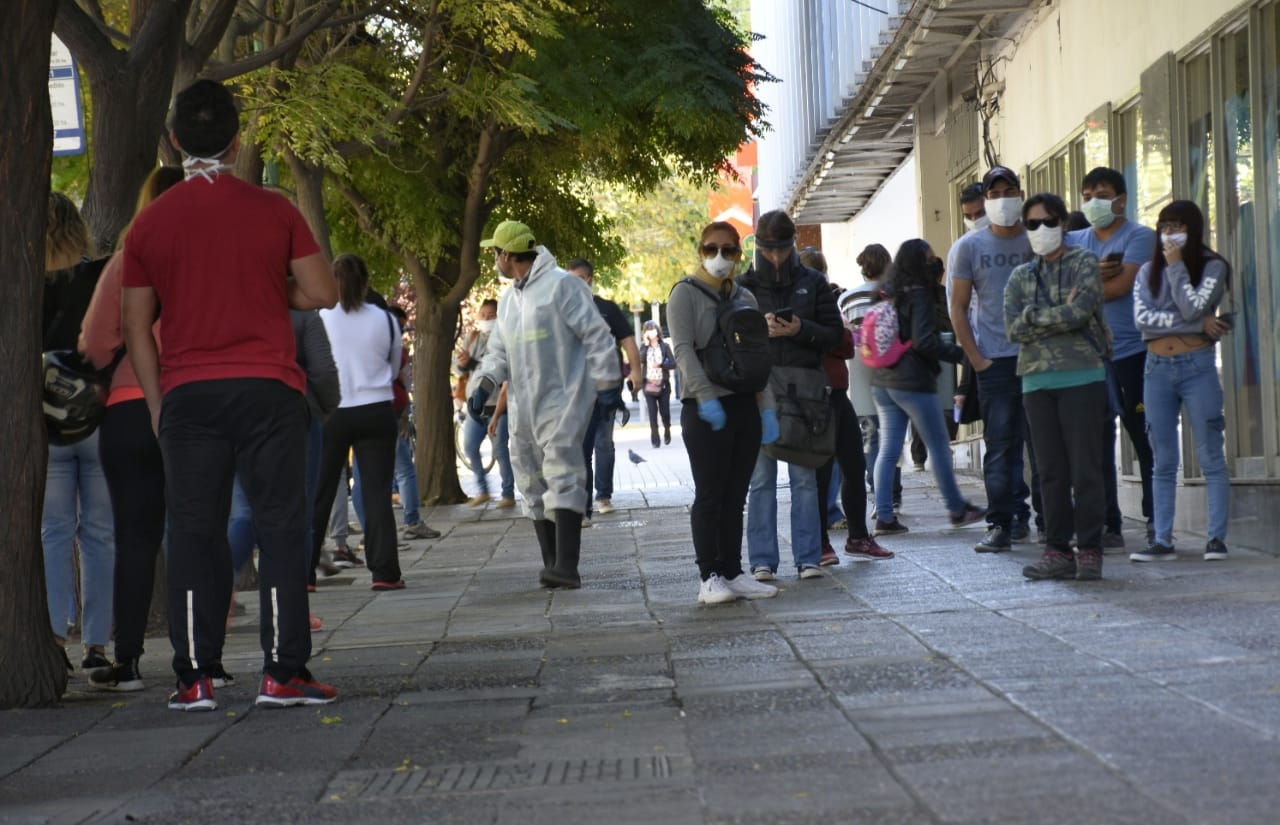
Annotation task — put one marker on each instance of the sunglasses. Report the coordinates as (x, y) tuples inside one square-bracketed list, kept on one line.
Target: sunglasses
[(774, 245), (1035, 223), (710, 249)]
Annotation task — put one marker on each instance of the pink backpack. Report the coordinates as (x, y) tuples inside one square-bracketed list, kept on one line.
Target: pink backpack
[(878, 340)]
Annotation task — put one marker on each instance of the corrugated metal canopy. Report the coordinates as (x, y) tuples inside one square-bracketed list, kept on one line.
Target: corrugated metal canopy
[(871, 137)]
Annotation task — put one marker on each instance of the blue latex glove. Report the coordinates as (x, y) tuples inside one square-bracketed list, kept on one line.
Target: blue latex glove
[(713, 413), (477, 401), (768, 426)]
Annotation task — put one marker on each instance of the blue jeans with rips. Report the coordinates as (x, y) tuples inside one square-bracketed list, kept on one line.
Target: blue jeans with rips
[(1190, 381), (762, 515), (1003, 432)]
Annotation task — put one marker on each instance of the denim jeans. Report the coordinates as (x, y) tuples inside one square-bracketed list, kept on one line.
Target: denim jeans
[(604, 456), (338, 515), (77, 505), (1000, 402), (898, 409), (1126, 379), (1172, 382), (870, 426), (472, 437), (762, 515)]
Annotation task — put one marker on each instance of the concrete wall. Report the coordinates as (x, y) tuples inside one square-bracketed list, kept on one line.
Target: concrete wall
[(893, 216)]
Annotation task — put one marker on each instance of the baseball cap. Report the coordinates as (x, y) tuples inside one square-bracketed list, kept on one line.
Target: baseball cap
[(1000, 173), (511, 236)]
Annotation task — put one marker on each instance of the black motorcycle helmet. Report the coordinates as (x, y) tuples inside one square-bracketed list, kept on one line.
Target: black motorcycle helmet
[(75, 397)]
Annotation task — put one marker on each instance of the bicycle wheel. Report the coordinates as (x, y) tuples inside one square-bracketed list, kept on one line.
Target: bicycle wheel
[(459, 439)]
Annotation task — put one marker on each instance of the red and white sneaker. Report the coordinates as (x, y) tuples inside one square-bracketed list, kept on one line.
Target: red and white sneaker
[(197, 697), (866, 548), (829, 556), (302, 689)]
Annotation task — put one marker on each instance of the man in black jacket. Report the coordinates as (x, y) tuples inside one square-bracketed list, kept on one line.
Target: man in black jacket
[(804, 324)]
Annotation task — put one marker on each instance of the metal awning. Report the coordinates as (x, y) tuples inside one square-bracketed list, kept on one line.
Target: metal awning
[(872, 135)]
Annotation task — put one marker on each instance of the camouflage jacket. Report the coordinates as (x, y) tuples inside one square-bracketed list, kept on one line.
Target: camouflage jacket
[(1054, 333)]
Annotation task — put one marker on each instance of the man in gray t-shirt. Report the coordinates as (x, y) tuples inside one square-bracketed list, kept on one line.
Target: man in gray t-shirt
[(981, 264)]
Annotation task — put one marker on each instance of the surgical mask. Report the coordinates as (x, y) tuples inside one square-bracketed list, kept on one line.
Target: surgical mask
[(1177, 238), (1045, 240), (484, 326), (1004, 211), (1098, 211), (719, 267), (980, 222), (208, 172)]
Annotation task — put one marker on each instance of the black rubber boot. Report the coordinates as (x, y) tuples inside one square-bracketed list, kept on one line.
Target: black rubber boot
[(568, 533), (546, 530)]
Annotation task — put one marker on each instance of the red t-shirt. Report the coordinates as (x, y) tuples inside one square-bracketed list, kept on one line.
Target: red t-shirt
[(217, 255)]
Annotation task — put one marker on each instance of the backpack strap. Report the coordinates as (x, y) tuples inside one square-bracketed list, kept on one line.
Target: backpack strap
[(706, 290)]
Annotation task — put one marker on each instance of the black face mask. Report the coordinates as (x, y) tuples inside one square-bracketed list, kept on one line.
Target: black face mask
[(781, 274)]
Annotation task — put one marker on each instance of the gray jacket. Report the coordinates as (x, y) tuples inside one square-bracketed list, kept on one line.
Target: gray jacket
[(316, 359), (1178, 308)]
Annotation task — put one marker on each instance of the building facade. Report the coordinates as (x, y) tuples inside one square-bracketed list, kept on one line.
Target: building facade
[(1183, 96)]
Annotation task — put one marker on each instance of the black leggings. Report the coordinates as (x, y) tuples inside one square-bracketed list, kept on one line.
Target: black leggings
[(722, 462), (853, 468), (659, 405), (135, 479)]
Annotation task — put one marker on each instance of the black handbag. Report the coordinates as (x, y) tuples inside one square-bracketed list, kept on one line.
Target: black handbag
[(806, 422)]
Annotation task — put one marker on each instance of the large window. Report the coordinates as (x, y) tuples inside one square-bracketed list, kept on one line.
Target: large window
[(1199, 96), (1126, 150), (1269, 171)]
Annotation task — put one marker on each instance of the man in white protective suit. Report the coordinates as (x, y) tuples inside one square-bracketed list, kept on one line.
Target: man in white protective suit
[(553, 347)]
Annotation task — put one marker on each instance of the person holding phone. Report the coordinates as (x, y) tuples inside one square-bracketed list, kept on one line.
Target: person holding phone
[(1176, 300), (1122, 246)]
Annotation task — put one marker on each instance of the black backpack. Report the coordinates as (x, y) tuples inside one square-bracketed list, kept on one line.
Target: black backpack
[(737, 357)]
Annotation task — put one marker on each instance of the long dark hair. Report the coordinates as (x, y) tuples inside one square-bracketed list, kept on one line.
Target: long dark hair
[(1195, 253), (353, 280), (910, 271)]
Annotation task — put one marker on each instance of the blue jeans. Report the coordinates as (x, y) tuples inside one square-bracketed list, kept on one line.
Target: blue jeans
[(77, 506), (762, 515), (834, 511), (472, 437), (604, 456), (1003, 432), (1172, 382), (898, 410)]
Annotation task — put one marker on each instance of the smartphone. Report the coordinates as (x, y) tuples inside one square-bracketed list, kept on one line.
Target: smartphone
[(783, 314), (1115, 257), (1227, 318)]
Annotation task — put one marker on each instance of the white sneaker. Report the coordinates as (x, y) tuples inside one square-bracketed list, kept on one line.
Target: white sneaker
[(715, 591), (811, 571), (762, 574), (604, 506), (746, 587)]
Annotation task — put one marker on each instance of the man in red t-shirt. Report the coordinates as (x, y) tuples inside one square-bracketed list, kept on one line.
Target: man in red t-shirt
[(226, 260)]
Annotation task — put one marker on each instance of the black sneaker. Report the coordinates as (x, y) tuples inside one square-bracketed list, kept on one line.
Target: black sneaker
[(94, 659), (1215, 550), (219, 675), (122, 677), (995, 541), (1112, 540), (1019, 532), (888, 528), (1156, 552), (1053, 564)]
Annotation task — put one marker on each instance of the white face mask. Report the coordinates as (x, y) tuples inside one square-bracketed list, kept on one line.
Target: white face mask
[(1098, 212), (484, 326), (207, 168), (1004, 211), (1045, 240), (1177, 238), (981, 222), (719, 267)]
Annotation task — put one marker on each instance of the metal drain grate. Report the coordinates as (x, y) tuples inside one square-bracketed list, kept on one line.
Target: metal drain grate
[(495, 776)]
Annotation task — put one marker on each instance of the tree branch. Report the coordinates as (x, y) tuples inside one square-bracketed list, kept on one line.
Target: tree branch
[(85, 37), (424, 63), (267, 56), (213, 24)]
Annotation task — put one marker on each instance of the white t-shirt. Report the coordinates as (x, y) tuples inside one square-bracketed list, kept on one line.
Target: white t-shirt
[(366, 347)]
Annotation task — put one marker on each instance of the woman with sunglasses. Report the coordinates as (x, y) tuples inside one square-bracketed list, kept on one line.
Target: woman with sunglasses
[(1175, 302), (722, 429), (1053, 311)]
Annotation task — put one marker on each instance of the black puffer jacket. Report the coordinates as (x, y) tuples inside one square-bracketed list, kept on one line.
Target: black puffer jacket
[(920, 320), (807, 293)]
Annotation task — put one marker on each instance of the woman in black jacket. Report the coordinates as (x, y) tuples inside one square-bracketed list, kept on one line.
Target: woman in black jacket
[(907, 392), (657, 361)]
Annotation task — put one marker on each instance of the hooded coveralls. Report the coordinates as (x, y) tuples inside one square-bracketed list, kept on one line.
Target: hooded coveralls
[(553, 347)]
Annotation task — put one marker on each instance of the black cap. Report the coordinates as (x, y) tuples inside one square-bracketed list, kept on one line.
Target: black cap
[(1000, 173)]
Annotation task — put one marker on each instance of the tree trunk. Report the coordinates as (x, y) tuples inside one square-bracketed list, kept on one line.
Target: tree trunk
[(436, 457), (32, 669), (310, 182)]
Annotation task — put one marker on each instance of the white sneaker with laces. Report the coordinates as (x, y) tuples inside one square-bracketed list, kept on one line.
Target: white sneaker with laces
[(762, 574), (715, 591), (604, 506), (746, 587), (811, 571)]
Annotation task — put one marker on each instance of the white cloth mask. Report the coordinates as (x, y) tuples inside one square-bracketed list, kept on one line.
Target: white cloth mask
[(719, 267), (1178, 239), (484, 326), (1004, 211), (1098, 212), (1045, 240), (971, 224)]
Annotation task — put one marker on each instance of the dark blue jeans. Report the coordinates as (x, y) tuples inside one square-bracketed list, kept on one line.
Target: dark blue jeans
[(1000, 403), (1128, 386)]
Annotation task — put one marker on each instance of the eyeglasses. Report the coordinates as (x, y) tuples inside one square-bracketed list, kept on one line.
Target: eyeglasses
[(710, 249), (1035, 223)]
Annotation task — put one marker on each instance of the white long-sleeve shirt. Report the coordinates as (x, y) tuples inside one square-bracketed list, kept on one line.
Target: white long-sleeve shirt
[(366, 347)]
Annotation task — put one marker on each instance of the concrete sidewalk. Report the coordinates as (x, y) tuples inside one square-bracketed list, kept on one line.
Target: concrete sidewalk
[(936, 687)]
